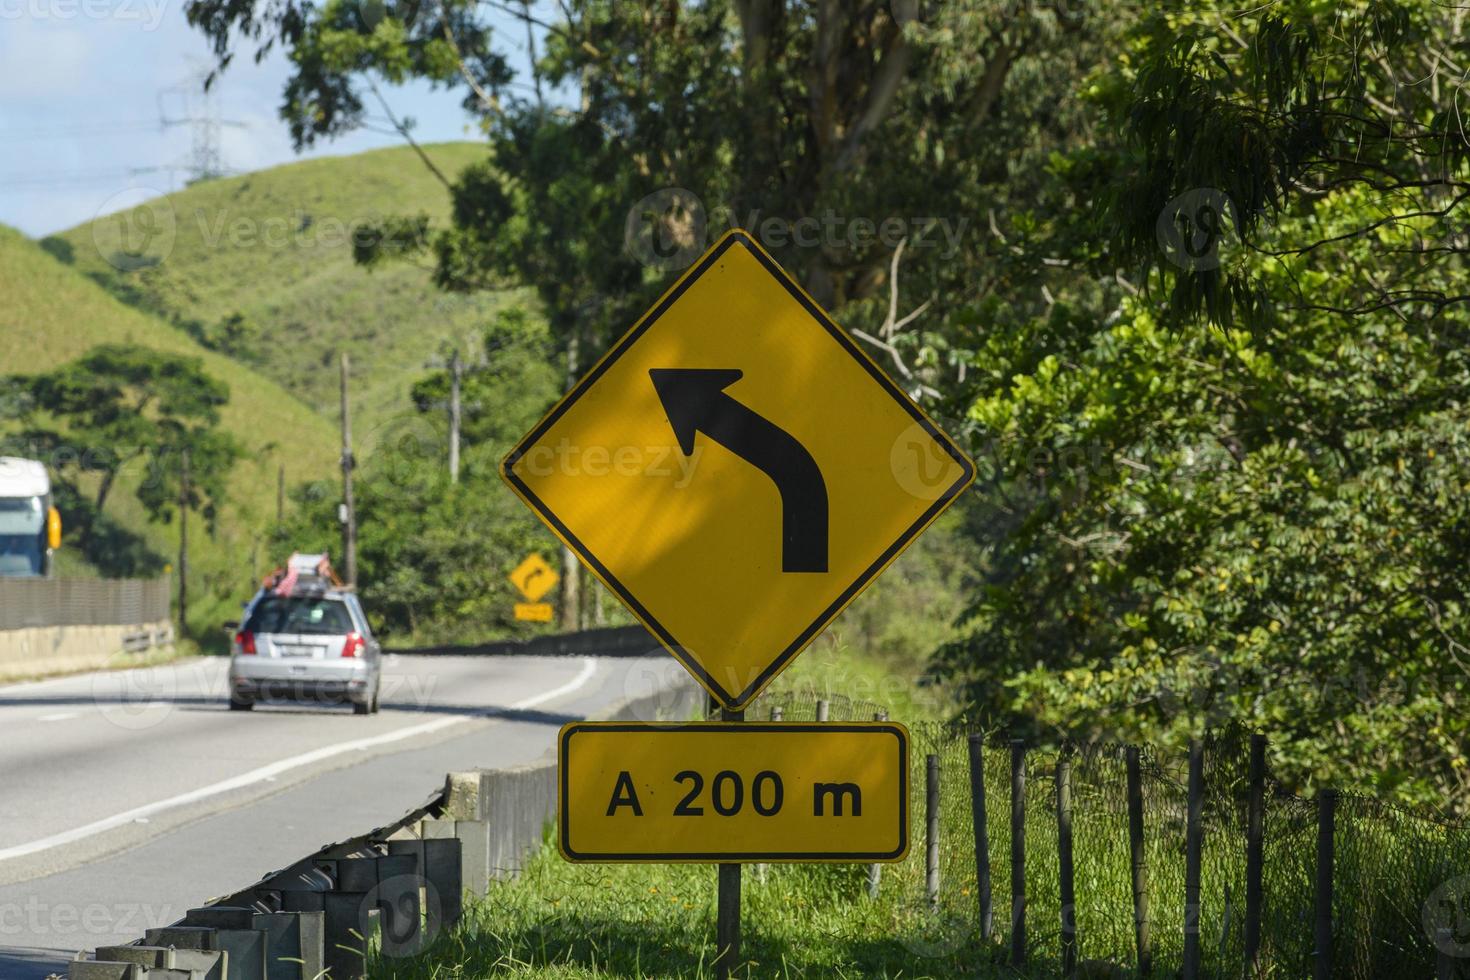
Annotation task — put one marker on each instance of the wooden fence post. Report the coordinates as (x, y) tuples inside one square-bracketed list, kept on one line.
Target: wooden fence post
[(1064, 859), (875, 871), (931, 824), (1193, 845), (1326, 825), (1255, 831), (1139, 861), (1018, 852), (982, 835)]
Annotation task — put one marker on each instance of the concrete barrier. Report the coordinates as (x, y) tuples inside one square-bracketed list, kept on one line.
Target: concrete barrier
[(40, 650)]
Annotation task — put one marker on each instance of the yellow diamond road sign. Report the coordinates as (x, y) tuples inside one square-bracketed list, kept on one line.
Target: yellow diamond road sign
[(534, 577), (736, 470)]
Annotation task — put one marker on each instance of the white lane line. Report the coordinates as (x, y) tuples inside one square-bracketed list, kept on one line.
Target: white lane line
[(270, 772), (64, 716)]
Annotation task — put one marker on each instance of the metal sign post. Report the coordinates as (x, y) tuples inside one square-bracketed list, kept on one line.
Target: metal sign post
[(727, 910)]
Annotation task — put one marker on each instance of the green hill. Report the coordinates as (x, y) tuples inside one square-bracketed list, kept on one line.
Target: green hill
[(260, 267), (53, 314)]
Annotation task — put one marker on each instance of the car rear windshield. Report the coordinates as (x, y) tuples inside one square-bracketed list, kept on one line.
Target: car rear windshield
[(300, 614)]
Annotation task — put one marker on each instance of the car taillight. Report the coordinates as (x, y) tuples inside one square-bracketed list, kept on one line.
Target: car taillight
[(353, 646), (245, 640)]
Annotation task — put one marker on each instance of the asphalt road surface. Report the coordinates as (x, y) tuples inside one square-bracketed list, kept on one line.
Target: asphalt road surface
[(129, 797)]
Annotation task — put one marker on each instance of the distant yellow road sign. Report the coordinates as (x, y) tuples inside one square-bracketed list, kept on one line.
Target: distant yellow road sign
[(534, 577), (733, 792), (736, 470), (533, 612)]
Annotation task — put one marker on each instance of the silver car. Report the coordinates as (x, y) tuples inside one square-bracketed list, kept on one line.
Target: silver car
[(313, 644)]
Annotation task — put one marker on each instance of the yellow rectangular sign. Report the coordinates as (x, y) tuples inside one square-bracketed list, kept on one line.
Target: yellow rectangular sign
[(533, 612), (733, 791)]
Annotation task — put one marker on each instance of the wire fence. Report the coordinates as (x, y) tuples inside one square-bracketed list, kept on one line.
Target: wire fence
[(1399, 882)]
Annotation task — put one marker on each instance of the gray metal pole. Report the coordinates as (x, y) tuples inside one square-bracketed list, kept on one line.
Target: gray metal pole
[(1255, 824), (875, 871), (931, 825), (1140, 862), (727, 915), (1193, 845), (1018, 853), (1064, 861), (1326, 826)]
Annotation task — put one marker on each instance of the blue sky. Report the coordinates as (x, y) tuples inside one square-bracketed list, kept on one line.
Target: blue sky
[(80, 89)]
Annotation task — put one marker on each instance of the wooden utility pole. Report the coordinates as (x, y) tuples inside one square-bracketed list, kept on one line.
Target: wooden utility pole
[(456, 372), (349, 507), (571, 593), (183, 541)]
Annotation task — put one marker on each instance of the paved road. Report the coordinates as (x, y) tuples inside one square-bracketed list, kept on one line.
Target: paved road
[(128, 797)]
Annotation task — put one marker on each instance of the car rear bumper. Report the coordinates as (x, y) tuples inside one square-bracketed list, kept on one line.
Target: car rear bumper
[(329, 681), (296, 689)]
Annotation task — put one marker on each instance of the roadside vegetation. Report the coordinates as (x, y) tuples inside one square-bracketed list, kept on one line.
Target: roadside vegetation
[(1183, 279), (244, 295), (1393, 869), (52, 318)]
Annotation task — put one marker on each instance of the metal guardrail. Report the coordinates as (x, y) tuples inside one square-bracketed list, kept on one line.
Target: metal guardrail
[(404, 882), (28, 603), (617, 641)]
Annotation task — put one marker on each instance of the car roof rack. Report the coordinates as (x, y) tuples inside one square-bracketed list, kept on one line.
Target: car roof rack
[(303, 574)]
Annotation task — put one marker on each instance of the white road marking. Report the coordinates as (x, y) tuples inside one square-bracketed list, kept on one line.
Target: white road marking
[(64, 716), (270, 772)]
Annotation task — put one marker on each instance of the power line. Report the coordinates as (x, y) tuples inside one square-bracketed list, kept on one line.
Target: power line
[(81, 177), (75, 129)]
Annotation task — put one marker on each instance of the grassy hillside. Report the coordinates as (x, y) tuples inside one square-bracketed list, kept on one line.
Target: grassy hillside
[(53, 314), (260, 267)]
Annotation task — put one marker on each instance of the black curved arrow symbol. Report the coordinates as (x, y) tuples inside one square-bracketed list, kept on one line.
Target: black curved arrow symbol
[(695, 401)]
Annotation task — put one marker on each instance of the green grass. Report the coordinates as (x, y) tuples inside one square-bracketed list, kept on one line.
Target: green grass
[(53, 314), (623, 921), (573, 921), (273, 249)]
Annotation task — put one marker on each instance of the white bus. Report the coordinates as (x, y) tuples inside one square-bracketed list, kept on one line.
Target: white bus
[(30, 527)]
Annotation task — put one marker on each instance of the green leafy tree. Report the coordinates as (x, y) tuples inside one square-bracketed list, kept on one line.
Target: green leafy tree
[(1239, 498), (120, 404), (837, 132), (433, 555)]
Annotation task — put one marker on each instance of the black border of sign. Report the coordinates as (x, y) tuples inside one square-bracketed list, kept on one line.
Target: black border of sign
[(735, 701), (735, 728)]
